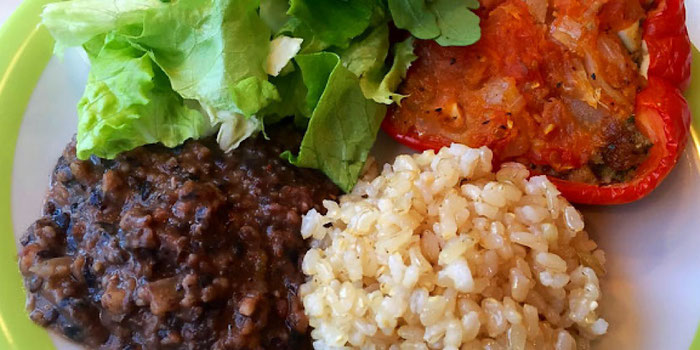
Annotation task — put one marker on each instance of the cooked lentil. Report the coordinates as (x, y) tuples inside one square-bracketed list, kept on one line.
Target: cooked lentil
[(185, 248)]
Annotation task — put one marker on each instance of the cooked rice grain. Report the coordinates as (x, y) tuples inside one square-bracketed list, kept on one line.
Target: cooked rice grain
[(440, 252)]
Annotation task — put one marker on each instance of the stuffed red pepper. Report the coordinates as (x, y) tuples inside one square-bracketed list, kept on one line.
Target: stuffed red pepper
[(588, 92)]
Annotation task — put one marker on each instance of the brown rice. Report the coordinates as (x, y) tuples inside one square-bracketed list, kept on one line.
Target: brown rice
[(440, 252)]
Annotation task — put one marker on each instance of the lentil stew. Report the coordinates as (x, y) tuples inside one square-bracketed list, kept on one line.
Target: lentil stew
[(185, 248)]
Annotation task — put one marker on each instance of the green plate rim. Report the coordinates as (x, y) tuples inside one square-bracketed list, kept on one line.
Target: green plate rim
[(25, 50)]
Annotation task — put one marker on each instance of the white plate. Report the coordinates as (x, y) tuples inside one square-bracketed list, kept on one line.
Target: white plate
[(651, 293)]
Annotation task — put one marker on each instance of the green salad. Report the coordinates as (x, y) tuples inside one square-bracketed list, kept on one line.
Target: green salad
[(167, 71)]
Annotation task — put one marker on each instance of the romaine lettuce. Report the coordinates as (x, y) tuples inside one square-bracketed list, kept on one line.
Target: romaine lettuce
[(212, 51), (366, 59), (335, 22), (343, 124), (128, 102)]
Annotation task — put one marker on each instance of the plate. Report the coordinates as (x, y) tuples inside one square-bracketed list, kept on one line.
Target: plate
[(650, 293)]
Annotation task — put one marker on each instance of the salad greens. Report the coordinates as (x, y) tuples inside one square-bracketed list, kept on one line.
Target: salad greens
[(128, 102), (449, 22), (335, 22), (167, 71), (336, 139), (416, 17)]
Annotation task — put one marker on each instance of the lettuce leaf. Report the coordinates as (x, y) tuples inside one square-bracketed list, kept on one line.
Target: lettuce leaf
[(414, 16), (298, 29), (381, 86), (168, 70), (274, 13), (206, 55), (74, 23), (128, 102), (235, 128), (367, 53), (293, 98), (335, 22), (449, 22), (212, 51), (366, 59), (459, 26), (343, 124)]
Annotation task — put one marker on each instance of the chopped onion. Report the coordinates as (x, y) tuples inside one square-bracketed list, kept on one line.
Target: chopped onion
[(584, 113), (611, 51), (503, 92), (579, 83), (646, 61), (567, 31), (600, 83), (631, 37)]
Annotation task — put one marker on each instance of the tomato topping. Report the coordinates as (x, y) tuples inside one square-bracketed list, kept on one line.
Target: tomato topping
[(558, 90)]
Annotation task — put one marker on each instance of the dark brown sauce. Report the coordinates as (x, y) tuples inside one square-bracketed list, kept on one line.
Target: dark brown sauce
[(185, 248)]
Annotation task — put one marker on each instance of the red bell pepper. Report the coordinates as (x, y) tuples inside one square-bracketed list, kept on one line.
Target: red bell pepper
[(662, 114), (666, 37)]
